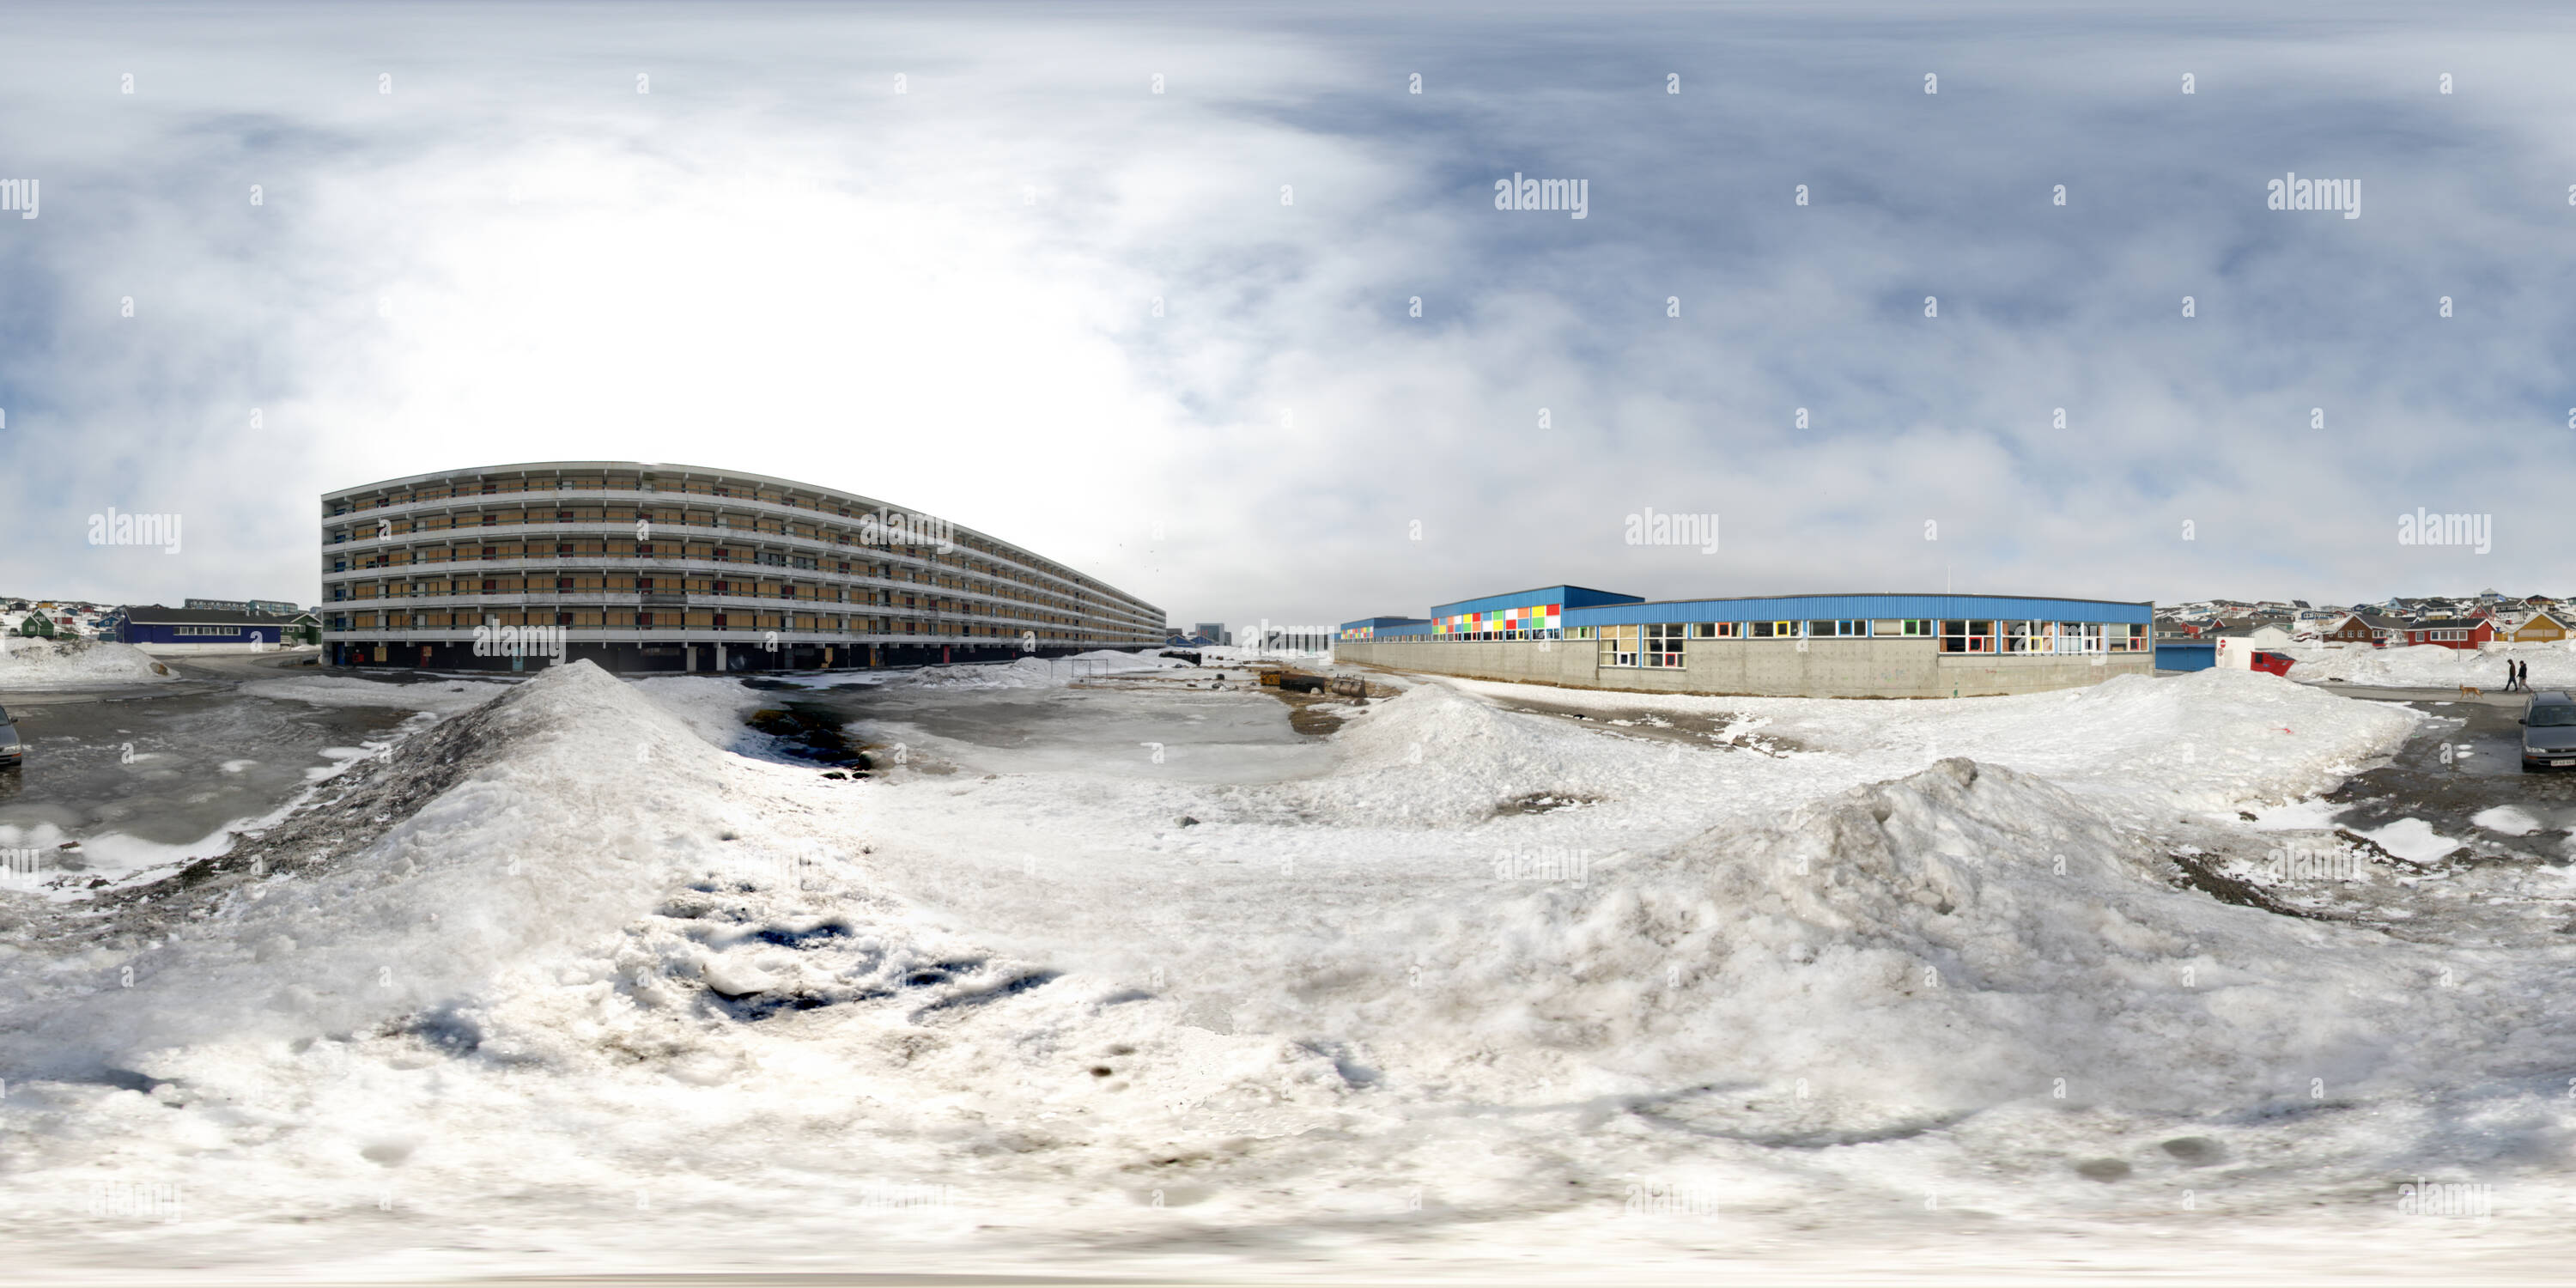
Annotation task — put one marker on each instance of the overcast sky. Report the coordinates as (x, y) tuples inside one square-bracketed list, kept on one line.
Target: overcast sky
[(916, 252)]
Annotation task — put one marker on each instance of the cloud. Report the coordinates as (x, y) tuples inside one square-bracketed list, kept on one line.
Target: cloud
[(946, 298)]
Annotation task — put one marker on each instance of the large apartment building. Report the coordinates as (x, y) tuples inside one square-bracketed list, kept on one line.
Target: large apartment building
[(644, 567)]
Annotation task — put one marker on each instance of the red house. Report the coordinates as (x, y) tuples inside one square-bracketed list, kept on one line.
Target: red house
[(2451, 632)]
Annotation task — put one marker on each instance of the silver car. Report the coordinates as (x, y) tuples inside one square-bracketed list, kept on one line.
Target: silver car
[(13, 751), (2549, 731)]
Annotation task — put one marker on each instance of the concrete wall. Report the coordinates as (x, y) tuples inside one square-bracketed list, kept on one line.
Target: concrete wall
[(1826, 668)]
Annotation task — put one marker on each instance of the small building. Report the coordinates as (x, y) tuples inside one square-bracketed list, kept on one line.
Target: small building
[(1367, 628), (154, 628), (1874, 645), (2539, 628), (2451, 632), (2351, 628)]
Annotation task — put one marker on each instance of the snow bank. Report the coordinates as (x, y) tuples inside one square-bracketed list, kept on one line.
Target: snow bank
[(2204, 742), (60, 664), (2430, 666), (1907, 950), (573, 801)]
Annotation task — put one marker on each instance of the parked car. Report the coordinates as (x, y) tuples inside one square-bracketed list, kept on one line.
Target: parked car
[(13, 750), (2549, 731), (2272, 663)]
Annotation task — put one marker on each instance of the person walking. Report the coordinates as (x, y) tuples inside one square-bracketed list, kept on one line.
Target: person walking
[(2509, 674), (2524, 677)]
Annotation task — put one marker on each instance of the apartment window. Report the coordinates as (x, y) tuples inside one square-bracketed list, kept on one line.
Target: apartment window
[(644, 621), (1831, 630), (491, 552), (720, 622), (563, 583), (644, 550), (563, 619), (1967, 637), (491, 585), (491, 520), (563, 516)]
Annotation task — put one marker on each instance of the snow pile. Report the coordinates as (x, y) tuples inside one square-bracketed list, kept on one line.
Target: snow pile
[(2204, 742), (1444, 758), (1906, 952), (2430, 666), (56, 664), (568, 805)]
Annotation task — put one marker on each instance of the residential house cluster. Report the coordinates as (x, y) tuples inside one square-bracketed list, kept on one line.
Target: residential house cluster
[(2462, 622)]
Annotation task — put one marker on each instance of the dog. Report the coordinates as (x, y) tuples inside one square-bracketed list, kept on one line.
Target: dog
[(2470, 691)]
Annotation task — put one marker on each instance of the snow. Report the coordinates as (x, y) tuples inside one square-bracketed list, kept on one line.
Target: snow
[(61, 664), (2430, 666), (2413, 839), (1471, 977), (445, 697), (1035, 672), (2507, 820)]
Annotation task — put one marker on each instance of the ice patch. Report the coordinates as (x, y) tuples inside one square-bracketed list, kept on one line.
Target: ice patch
[(2507, 820), (446, 697), (2413, 839)]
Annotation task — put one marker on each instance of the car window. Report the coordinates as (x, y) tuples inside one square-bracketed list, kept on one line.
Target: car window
[(2554, 714)]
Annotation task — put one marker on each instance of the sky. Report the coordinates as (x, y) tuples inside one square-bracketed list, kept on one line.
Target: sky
[(1216, 303)]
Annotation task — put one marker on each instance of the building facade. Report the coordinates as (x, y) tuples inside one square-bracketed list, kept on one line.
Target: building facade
[(200, 630), (1880, 645), (643, 567)]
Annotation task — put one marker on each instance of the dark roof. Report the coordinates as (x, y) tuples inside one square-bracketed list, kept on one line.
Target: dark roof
[(156, 615), (2449, 622)]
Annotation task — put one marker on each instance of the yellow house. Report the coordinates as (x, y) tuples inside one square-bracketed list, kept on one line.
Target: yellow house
[(2541, 628)]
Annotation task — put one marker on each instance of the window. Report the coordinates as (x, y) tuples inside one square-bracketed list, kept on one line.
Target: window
[(563, 619), (644, 621), (1664, 644), (1967, 637), (1831, 630), (1618, 645), (491, 520), (563, 547), (1773, 630), (563, 583), (1717, 630)]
